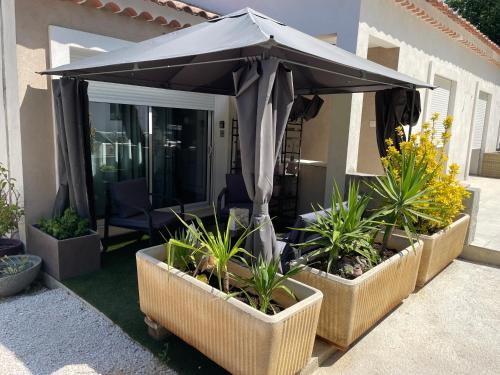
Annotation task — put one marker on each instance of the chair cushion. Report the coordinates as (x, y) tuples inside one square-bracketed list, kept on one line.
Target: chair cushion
[(130, 192), (236, 190), (159, 220)]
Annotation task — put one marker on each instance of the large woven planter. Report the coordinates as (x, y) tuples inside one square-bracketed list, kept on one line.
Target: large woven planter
[(441, 248), (352, 307), (63, 259), (228, 331)]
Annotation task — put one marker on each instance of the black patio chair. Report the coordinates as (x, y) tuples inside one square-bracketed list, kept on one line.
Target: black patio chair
[(128, 206), (234, 195)]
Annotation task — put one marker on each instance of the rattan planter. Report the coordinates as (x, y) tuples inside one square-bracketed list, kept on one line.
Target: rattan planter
[(491, 165), (441, 248), (352, 307), (230, 332)]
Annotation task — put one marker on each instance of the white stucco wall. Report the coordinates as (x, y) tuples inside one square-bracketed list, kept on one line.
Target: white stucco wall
[(426, 52)]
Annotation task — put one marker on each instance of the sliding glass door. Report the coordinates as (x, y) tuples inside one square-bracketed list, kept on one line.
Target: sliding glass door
[(167, 146), (119, 142), (180, 158)]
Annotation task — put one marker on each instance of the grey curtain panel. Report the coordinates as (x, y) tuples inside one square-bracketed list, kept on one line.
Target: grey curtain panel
[(394, 108), (73, 147), (264, 98)]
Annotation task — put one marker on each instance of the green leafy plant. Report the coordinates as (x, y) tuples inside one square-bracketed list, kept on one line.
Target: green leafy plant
[(10, 210), (402, 192), (264, 281), (182, 257), (13, 265), (69, 225), (216, 249), (344, 231)]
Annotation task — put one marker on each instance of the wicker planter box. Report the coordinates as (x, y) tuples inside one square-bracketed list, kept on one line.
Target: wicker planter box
[(441, 248), (230, 332), (63, 259), (491, 165), (352, 307)]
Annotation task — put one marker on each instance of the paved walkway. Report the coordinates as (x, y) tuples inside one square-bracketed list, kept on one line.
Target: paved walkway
[(488, 219), (52, 332), (451, 326)]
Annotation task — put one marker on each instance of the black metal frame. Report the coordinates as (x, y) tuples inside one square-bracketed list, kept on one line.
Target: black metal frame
[(150, 231)]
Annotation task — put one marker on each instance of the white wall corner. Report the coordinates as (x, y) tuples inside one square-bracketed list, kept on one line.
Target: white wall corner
[(10, 126)]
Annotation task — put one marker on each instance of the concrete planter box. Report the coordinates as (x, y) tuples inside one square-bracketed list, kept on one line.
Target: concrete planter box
[(441, 248), (352, 307), (228, 331), (10, 285), (63, 259)]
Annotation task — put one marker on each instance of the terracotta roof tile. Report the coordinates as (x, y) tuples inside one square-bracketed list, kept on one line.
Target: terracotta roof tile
[(114, 7)]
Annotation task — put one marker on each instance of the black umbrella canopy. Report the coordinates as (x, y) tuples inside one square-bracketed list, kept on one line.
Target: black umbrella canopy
[(201, 58)]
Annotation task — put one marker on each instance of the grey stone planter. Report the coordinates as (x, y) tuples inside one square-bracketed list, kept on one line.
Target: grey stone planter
[(10, 285), (63, 259)]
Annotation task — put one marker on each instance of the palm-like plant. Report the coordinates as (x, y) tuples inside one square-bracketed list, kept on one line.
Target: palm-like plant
[(217, 248), (344, 231), (403, 195), (182, 257), (264, 281)]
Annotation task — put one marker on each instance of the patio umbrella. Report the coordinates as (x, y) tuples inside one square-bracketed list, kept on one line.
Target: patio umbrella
[(202, 58)]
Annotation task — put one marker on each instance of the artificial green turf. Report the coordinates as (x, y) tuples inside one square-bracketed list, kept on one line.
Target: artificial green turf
[(113, 290)]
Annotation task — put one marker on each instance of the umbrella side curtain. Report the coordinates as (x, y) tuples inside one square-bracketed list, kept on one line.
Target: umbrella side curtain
[(73, 146), (264, 98), (394, 108)]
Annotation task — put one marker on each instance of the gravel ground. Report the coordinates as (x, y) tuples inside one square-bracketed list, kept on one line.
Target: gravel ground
[(52, 332)]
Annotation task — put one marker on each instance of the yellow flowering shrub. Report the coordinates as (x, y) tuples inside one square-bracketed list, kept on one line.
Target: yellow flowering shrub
[(444, 190)]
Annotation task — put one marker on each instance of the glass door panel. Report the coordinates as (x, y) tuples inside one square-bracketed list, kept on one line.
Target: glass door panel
[(179, 156), (119, 143)]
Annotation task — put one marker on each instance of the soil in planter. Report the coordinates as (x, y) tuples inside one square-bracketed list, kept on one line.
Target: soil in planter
[(210, 278), (351, 267)]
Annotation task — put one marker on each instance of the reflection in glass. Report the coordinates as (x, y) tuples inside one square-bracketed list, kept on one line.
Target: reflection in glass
[(119, 141)]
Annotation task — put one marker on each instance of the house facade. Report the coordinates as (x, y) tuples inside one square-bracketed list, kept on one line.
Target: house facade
[(181, 141)]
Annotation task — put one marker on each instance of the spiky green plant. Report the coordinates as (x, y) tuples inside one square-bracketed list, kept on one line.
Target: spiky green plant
[(344, 231), (218, 248), (181, 257), (403, 196), (264, 281), (12, 265)]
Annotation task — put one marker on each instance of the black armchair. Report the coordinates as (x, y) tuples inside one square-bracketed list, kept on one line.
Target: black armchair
[(128, 206), (234, 195)]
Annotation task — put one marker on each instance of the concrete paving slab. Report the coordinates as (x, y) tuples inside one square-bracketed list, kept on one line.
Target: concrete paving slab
[(451, 326)]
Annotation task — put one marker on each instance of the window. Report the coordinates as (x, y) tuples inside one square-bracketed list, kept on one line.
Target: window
[(167, 146), (479, 120), (440, 103)]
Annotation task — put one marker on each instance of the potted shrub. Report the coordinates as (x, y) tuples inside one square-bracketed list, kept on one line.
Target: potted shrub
[(17, 272), (444, 237), (363, 274), (10, 214), (66, 244), (248, 320)]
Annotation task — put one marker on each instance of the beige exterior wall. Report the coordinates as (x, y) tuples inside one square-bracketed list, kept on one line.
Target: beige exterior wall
[(32, 22), (425, 52)]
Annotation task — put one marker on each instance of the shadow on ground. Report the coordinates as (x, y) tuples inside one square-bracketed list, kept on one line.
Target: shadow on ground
[(113, 291)]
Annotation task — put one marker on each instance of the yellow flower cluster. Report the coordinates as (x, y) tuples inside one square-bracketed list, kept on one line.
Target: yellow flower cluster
[(444, 190)]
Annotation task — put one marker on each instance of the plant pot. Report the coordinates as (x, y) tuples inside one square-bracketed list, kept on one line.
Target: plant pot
[(10, 246), (10, 285), (352, 307), (228, 331), (441, 248), (63, 259)]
